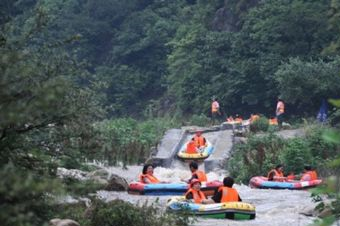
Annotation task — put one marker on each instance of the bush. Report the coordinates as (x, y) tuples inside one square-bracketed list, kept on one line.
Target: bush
[(295, 155), (75, 211), (80, 188), (118, 213), (24, 199), (334, 118), (200, 120), (127, 140), (319, 147), (260, 124), (256, 157)]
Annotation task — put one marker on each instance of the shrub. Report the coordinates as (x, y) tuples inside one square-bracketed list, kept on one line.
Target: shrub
[(74, 211), (24, 199), (80, 188), (260, 124), (199, 120), (127, 140), (295, 155), (319, 147), (255, 157), (118, 213), (334, 118)]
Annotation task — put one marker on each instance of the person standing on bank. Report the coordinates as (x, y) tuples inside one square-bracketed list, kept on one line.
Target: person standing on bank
[(215, 110), (280, 110)]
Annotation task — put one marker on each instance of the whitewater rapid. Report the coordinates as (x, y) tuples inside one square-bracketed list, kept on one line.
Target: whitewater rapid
[(273, 207)]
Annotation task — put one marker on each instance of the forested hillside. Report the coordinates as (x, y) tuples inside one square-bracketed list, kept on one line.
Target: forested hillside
[(103, 79), (174, 56)]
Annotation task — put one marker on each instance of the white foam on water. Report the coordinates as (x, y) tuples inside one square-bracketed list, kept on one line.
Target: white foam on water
[(273, 207)]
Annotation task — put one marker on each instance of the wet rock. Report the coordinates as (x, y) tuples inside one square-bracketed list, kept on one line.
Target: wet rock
[(288, 134), (99, 180), (63, 222), (101, 173), (308, 211), (286, 125), (239, 133), (150, 161), (153, 151), (116, 183), (240, 140), (326, 212), (71, 173)]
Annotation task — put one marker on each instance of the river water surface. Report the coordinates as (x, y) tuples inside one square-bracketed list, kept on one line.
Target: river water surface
[(273, 207)]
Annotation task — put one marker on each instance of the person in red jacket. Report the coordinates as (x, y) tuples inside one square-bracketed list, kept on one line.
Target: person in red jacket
[(227, 193)]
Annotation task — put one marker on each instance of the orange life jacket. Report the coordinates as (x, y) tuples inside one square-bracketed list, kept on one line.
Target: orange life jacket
[(191, 147), (314, 175), (199, 141), (201, 176), (230, 119), (215, 106), (254, 118), (238, 119), (280, 107), (309, 175), (276, 174), (228, 194), (152, 179), (198, 196), (273, 121), (291, 176)]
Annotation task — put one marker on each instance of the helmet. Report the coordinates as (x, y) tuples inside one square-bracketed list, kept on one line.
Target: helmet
[(194, 181), (199, 132)]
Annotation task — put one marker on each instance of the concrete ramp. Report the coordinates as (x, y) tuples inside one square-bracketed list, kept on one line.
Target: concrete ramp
[(223, 144), (220, 138), (168, 147)]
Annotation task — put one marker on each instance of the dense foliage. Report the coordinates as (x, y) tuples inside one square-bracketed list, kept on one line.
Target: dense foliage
[(127, 140), (332, 185), (174, 56), (262, 153), (119, 212), (103, 79)]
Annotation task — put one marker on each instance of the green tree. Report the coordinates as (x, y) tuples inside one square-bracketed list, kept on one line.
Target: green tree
[(334, 20), (306, 83)]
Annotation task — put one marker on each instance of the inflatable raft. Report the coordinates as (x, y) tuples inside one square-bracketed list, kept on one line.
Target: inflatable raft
[(262, 182), (230, 210), (205, 153), (139, 188)]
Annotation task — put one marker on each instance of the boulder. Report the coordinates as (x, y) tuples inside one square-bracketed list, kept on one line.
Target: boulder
[(99, 180), (102, 173), (71, 173), (63, 222), (116, 183), (240, 140), (308, 211), (326, 212)]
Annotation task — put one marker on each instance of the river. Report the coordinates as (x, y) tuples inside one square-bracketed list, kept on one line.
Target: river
[(273, 207)]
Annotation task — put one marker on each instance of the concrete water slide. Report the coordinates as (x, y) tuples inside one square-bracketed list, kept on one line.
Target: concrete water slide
[(220, 137)]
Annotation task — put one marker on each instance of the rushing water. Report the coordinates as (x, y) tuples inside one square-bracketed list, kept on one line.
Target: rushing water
[(273, 207)]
